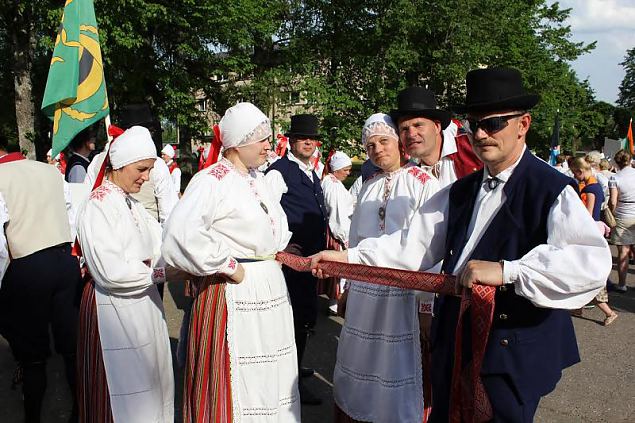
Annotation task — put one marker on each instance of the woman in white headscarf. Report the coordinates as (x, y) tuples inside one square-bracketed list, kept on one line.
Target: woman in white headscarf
[(378, 375), (125, 365), (340, 205), (241, 360)]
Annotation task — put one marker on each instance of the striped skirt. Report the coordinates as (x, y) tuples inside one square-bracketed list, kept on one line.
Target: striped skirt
[(92, 386), (207, 392)]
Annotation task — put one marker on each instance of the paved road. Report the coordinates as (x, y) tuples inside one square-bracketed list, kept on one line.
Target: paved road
[(599, 389)]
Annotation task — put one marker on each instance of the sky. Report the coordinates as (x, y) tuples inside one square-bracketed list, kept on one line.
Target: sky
[(612, 24)]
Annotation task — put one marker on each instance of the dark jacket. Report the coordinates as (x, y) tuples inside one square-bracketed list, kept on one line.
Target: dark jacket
[(530, 345)]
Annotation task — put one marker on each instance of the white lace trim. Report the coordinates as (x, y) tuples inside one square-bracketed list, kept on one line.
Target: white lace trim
[(259, 133), (378, 128)]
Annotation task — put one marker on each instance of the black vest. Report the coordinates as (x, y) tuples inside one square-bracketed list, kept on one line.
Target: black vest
[(75, 160), (304, 206), (529, 344)]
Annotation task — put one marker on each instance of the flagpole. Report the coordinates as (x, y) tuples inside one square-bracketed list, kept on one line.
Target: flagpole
[(107, 122)]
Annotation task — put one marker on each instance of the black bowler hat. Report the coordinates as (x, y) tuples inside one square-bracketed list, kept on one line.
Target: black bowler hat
[(304, 126), (495, 90), (135, 114), (419, 102)]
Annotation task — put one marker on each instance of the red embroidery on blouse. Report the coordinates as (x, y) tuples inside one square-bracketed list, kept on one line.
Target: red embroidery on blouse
[(158, 274), (219, 171), (425, 308), (232, 264), (100, 193), (419, 174)]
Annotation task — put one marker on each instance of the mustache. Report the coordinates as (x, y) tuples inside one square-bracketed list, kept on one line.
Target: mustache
[(484, 144)]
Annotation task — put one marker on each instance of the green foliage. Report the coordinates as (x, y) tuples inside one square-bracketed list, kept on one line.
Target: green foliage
[(626, 96), (349, 59)]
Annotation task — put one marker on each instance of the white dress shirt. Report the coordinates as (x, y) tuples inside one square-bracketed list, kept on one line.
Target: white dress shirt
[(566, 272), (306, 168)]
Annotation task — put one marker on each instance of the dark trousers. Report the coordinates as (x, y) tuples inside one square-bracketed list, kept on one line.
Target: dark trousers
[(302, 287), (39, 292)]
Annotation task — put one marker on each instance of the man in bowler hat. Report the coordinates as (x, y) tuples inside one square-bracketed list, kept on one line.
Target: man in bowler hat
[(440, 144), (517, 225), (303, 204)]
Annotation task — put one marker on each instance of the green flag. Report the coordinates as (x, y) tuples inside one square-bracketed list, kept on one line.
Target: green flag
[(75, 95)]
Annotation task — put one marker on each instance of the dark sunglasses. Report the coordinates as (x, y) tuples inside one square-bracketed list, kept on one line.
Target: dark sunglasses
[(491, 125)]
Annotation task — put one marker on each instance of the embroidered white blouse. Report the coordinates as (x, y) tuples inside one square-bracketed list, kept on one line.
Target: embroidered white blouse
[(121, 244), (209, 242)]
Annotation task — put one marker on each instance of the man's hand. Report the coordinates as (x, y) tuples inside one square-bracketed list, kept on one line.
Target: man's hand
[(238, 275), (326, 255), (482, 273)]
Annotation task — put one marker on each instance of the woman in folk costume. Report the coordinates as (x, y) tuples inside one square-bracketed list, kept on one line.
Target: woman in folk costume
[(339, 206), (378, 373), (124, 360), (227, 227)]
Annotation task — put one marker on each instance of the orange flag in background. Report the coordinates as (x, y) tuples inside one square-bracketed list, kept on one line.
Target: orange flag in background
[(629, 136)]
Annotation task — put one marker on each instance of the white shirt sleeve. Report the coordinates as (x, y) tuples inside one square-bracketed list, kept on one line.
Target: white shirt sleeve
[(190, 242), (356, 187), (77, 174), (176, 180), (340, 205), (70, 210), (569, 270), (419, 247), (163, 189), (4, 248), (277, 184)]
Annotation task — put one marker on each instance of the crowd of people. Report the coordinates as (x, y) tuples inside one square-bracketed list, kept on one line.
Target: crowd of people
[(464, 198)]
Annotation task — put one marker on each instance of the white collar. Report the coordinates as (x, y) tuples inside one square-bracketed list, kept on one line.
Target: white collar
[(505, 174), (449, 140), (85, 158), (303, 166)]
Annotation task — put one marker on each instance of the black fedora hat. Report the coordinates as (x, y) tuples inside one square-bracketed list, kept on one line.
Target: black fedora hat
[(495, 89), (419, 102), (135, 114), (303, 125)]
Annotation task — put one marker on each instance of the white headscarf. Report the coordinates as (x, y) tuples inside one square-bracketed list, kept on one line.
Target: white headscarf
[(339, 160), (133, 145), (243, 124), (168, 150), (379, 124), (49, 154)]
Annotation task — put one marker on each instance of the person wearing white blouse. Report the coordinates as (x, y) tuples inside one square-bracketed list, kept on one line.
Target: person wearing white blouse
[(125, 364), (381, 323), (226, 229), (517, 225), (339, 207)]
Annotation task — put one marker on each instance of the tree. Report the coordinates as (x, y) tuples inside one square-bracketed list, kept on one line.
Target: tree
[(355, 59), (626, 97)]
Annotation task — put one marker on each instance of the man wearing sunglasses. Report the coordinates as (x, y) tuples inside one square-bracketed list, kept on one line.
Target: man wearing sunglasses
[(439, 144), (517, 225)]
